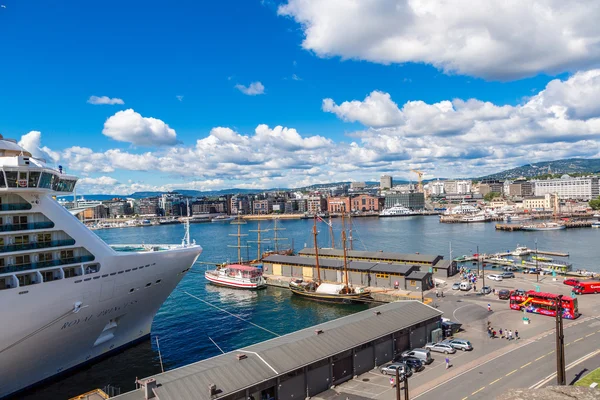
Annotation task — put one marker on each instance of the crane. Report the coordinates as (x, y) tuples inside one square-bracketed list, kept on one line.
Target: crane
[(420, 175)]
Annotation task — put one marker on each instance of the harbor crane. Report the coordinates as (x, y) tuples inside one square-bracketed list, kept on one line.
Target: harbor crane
[(420, 175)]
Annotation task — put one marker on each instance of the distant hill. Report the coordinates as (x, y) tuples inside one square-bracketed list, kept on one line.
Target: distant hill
[(566, 166)]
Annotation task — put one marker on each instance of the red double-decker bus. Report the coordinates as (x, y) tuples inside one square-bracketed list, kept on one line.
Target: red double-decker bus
[(543, 303)]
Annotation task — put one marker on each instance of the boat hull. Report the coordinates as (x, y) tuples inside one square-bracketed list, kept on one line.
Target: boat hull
[(333, 298), (218, 281), (535, 228)]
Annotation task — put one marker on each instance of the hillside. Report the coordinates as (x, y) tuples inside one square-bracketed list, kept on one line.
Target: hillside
[(566, 166)]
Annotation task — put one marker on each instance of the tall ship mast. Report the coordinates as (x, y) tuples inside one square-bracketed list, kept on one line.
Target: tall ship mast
[(259, 241), (239, 222), (68, 297)]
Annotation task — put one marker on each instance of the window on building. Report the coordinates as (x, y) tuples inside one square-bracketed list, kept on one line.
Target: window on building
[(19, 219), (44, 237), (1, 262), (24, 259), (24, 239)]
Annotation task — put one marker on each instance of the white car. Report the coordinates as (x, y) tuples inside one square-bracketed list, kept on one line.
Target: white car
[(495, 277)]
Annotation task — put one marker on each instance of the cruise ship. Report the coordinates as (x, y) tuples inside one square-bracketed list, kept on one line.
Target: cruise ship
[(68, 297)]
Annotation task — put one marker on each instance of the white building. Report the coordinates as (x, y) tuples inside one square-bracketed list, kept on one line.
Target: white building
[(385, 182), (566, 187), (436, 188), (457, 187)]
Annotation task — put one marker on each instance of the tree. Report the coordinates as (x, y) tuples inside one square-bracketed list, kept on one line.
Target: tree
[(595, 204), (491, 195)]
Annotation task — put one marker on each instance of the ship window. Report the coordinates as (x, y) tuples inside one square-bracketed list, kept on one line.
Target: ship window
[(2, 181), (64, 254), (44, 237), (48, 276), (11, 178), (22, 239), (34, 177), (24, 259), (46, 180), (19, 219), (1, 262), (1, 239), (55, 183), (92, 268), (45, 257)]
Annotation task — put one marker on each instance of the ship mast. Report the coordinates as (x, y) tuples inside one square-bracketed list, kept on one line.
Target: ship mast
[(258, 241), (239, 222), (350, 224), (331, 233), (276, 239), (316, 251), (345, 260)]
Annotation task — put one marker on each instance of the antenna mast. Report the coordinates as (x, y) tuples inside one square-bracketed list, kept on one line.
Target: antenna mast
[(239, 222)]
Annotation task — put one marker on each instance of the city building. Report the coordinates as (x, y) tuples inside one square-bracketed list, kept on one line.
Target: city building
[(364, 202), (436, 188), (296, 206), (338, 204), (148, 206), (566, 187), (357, 185), (315, 205), (263, 206), (240, 204), (414, 201), (490, 186), (386, 182), (210, 205), (117, 208), (521, 188), (539, 203)]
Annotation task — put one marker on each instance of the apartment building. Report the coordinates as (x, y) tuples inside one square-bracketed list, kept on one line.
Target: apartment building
[(566, 187)]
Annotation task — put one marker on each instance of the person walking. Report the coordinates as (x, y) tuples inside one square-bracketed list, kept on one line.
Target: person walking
[(501, 334), (447, 363), (391, 381), (489, 307), (516, 334)]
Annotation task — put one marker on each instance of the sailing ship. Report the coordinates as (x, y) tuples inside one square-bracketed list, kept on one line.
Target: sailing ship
[(238, 275), (329, 292), (276, 239)]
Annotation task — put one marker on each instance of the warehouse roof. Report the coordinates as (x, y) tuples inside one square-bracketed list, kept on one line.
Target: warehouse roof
[(303, 261), (287, 353), (373, 255), (417, 275), (402, 269), (443, 264)]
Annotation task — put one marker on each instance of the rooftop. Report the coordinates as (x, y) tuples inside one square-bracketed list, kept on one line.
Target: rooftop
[(286, 353), (376, 255)]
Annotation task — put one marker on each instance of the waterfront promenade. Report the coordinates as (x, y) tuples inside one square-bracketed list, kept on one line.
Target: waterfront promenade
[(495, 365)]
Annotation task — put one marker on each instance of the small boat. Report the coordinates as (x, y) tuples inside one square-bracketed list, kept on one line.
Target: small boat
[(169, 221), (222, 218), (237, 276), (544, 226), (517, 217), (596, 224), (398, 211), (477, 217), (521, 251)]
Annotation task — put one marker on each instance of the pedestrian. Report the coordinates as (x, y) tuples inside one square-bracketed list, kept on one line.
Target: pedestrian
[(391, 381), (447, 363), (508, 333), (489, 307), (494, 290), (501, 334), (493, 334), (516, 334)]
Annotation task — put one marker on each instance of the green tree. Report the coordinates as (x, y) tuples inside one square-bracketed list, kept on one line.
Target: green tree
[(491, 195), (595, 204)]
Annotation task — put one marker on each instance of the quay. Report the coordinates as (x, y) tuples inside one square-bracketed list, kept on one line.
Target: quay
[(301, 364), (518, 227)]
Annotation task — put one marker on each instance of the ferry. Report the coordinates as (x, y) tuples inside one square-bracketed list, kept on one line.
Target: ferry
[(70, 298), (397, 211), (237, 276), (477, 217), (544, 226), (223, 218)]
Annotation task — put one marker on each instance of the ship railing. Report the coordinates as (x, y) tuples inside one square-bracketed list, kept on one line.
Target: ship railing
[(15, 207), (26, 227), (36, 245), (45, 264)]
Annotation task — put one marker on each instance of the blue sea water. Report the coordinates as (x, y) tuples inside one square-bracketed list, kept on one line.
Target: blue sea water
[(185, 326)]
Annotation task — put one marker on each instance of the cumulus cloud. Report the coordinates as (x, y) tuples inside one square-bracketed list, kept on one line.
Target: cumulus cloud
[(495, 39), (32, 142), (255, 88), (95, 100), (129, 126), (377, 109), (101, 180)]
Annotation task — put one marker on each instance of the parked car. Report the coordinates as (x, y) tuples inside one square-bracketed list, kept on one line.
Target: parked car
[(402, 368), (511, 268), (495, 277), (507, 274), (440, 348), (486, 290), (531, 271), (465, 286), (571, 282), (422, 354), (460, 344), (519, 292), (504, 294), (414, 363), (456, 286)]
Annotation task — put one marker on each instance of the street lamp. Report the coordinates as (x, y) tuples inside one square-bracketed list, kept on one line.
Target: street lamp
[(537, 272)]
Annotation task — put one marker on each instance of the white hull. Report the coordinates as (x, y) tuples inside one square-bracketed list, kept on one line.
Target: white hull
[(218, 280), (41, 336)]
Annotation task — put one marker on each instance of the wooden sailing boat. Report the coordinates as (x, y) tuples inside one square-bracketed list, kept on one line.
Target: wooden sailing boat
[(276, 239), (335, 293)]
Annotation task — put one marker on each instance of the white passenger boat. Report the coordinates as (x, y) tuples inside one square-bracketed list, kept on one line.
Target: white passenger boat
[(397, 211), (67, 297), (237, 276), (544, 226), (521, 251), (477, 217)]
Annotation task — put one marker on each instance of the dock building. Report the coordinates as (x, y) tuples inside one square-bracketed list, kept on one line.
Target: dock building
[(360, 273), (301, 364)]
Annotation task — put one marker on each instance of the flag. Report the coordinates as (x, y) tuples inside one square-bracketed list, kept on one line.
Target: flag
[(322, 220)]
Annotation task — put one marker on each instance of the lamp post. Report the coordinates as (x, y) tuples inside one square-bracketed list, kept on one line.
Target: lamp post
[(561, 378), (537, 273)]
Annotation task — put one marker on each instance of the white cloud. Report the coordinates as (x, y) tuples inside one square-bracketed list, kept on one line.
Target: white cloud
[(129, 126), (99, 181), (296, 77), (494, 39), (32, 142), (255, 88), (104, 100), (377, 109)]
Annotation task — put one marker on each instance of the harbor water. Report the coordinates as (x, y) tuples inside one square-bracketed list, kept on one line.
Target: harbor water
[(185, 326)]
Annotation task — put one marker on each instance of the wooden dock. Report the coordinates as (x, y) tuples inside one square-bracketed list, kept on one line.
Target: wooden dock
[(519, 227), (550, 253)]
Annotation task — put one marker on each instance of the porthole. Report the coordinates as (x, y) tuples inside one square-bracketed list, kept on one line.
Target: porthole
[(158, 281), (148, 284), (131, 290)]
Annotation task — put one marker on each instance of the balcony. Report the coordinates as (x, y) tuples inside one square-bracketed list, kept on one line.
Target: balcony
[(36, 245), (15, 207), (26, 227), (46, 264)]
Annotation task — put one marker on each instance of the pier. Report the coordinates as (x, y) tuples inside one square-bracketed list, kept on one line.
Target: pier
[(519, 227)]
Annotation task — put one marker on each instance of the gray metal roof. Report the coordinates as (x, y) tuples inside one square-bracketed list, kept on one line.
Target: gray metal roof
[(417, 275), (338, 264), (402, 269), (303, 261), (286, 353), (443, 264), (374, 255)]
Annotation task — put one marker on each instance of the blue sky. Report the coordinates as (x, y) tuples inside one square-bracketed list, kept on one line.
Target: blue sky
[(56, 55)]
